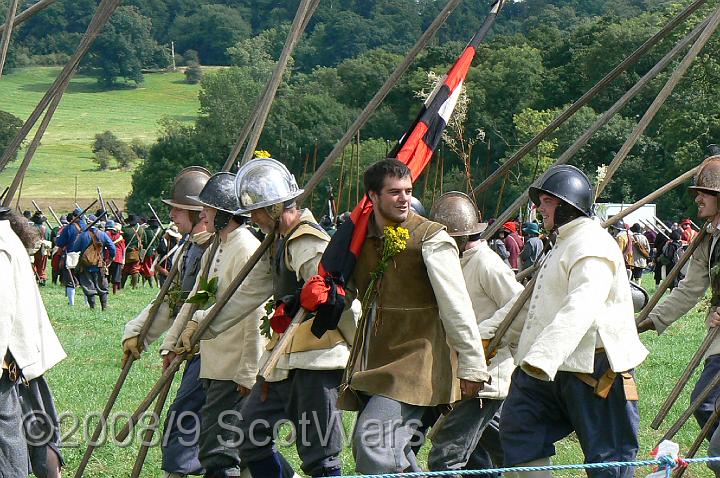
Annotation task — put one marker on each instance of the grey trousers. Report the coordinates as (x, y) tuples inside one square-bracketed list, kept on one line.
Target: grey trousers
[(714, 450), (219, 434), (307, 399), (459, 433), (384, 435), (13, 447)]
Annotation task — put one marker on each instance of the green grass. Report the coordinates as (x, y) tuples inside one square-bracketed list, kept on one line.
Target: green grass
[(83, 381), (85, 111)]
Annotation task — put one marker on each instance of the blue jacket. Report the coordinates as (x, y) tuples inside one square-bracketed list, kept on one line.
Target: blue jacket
[(69, 234), (83, 241)]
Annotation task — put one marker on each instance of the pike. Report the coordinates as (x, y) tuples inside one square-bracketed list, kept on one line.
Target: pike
[(661, 224), (54, 215), (102, 202), (37, 208), (116, 211), (311, 184), (77, 218), (160, 230)]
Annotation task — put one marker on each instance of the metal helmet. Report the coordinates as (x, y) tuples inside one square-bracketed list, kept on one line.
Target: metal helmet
[(708, 176), (417, 207), (457, 212), (640, 297), (189, 182), (570, 185), (265, 182), (219, 193)]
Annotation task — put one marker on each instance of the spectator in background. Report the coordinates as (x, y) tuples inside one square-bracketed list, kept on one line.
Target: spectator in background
[(658, 244), (513, 243), (688, 233), (640, 252), (532, 250)]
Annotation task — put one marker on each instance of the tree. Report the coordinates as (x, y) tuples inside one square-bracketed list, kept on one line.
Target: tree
[(193, 74), (9, 127), (210, 31), (124, 47)]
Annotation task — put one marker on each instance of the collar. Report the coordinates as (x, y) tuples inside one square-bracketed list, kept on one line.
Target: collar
[(567, 229), (201, 238), (714, 230), (305, 215)]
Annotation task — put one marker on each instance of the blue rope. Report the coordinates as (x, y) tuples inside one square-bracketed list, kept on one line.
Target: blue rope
[(664, 461)]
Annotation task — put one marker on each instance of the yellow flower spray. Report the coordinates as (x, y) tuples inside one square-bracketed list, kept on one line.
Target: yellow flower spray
[(394, 241)]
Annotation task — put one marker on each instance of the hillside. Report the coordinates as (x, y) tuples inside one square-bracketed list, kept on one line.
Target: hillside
[(85, 111)]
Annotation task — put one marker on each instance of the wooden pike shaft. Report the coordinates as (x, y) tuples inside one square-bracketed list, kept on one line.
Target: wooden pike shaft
[(704, 433), (282, 344), (152, 313), (29, 12), (54, 215), (150, 431), (100, 197), (7, 32), (704, 393), (661, 224)]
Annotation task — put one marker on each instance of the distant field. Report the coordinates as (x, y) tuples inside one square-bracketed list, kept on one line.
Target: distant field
[(85, 111)]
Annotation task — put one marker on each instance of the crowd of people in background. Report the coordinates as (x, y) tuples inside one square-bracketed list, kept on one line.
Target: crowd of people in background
[(99, 255)]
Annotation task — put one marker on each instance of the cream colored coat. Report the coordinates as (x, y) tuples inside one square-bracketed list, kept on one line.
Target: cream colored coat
[(491, 284), (581, 301), (25, 328), (234, 354), (304, 254), (690, 291), (163, 318)]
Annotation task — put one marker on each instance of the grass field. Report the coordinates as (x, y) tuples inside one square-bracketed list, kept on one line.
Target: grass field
[(85, 111), (83, 381)]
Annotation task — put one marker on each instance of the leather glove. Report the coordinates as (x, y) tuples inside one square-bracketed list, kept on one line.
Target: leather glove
[(130, 347), (646, 325), (485, 344), (186, 338)]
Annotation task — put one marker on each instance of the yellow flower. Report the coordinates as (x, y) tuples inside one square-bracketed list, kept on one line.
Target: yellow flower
[(394, 241), (261, 153)]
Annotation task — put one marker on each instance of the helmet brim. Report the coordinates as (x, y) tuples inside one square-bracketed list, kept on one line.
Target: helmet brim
[(178, 205), (479, 227), (197, 198), (246, 210)]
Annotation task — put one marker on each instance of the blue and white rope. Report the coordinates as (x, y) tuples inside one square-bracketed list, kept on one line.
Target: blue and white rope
[(666, 462)]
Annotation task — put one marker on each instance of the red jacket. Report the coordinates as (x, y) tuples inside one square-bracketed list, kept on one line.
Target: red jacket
[(117, 238)]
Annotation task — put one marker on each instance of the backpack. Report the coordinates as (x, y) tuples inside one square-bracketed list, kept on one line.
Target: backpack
[(92, 256), (641, 247), (671, 253)]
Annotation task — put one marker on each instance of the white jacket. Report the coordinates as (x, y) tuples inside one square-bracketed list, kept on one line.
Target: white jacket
[(581, 301), (164, 318), (491, 284), (233, 354), (304, 254), (25, 328)]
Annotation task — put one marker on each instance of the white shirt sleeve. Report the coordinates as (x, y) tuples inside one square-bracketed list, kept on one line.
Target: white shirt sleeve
[(7, 299), (589, 284), (443, 266)]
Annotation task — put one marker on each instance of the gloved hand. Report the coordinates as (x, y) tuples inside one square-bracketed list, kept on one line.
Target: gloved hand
[(326, 295), (485, 344), (186, 338), (130, 347), (646, 325)]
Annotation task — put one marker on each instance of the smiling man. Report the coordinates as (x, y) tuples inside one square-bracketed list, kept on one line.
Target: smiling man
[(693, 287), (578, 344), (418, 344)]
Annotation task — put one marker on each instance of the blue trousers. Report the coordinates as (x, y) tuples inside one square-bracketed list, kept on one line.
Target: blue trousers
[(537, 413), (182, 427), (710, 369)]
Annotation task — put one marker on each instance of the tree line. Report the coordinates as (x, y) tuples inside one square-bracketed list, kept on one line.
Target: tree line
[(541, 56)]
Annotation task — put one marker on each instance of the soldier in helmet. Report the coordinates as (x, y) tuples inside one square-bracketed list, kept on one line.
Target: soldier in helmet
[(303, 386), (578, 344), (692, 289), (230, 360), (459, 439), (180, 449)]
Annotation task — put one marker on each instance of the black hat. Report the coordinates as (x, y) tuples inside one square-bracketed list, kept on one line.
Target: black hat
[(570, 185)]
